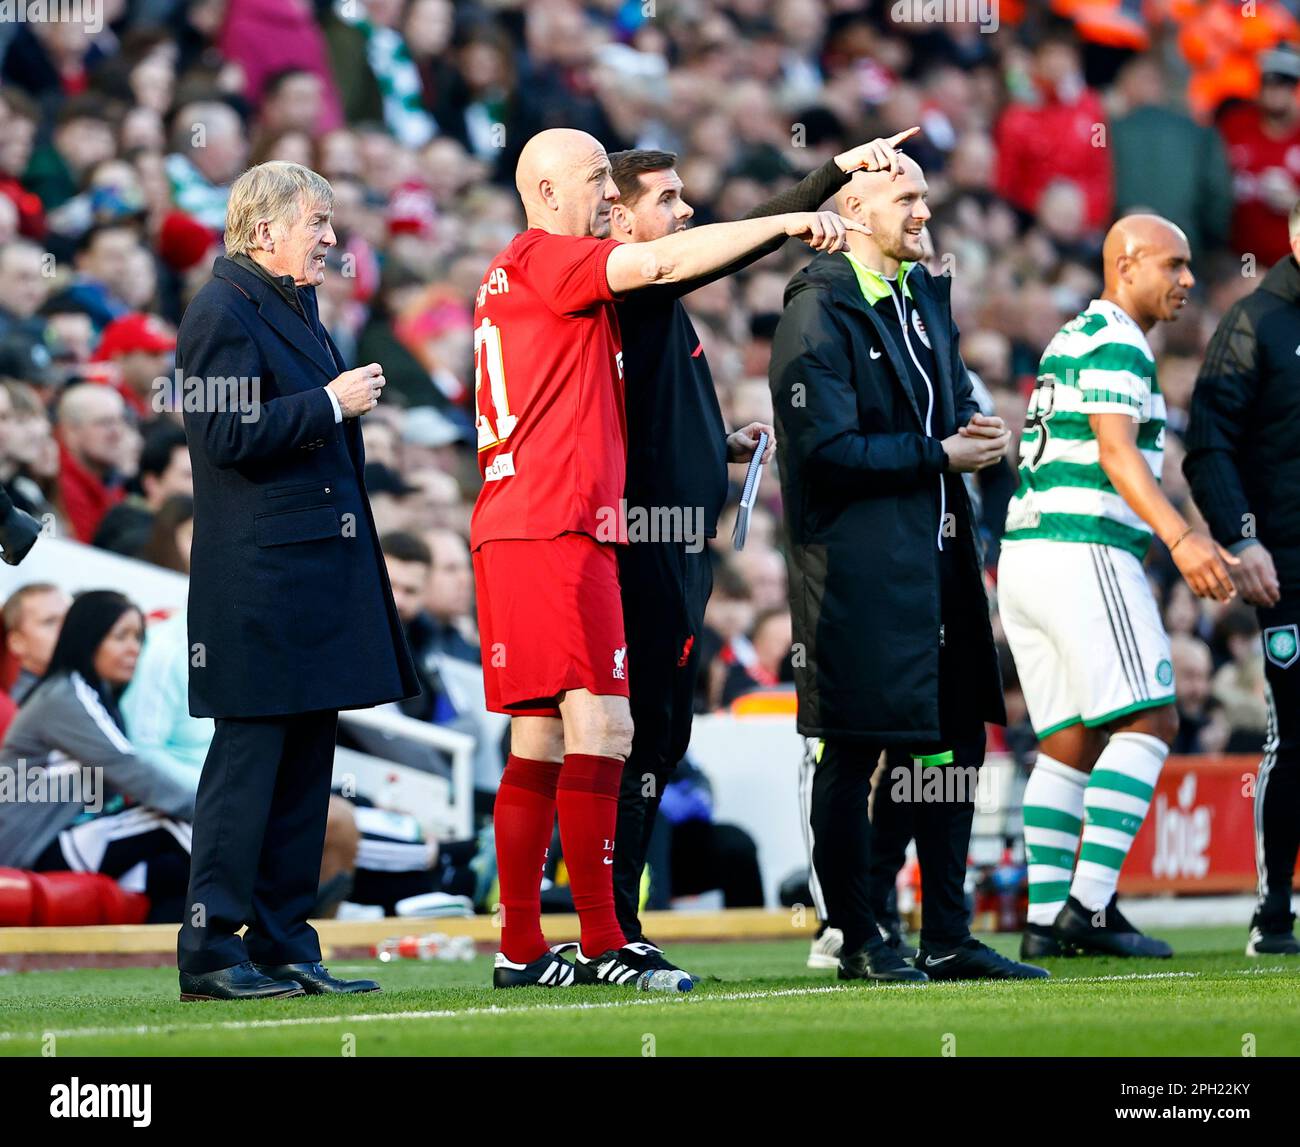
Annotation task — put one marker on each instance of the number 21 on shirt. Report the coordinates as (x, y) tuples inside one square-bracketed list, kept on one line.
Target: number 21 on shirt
[(492, 407)]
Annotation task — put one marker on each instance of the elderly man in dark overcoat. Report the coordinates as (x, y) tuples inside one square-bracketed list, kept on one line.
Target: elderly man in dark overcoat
[(291, 617)]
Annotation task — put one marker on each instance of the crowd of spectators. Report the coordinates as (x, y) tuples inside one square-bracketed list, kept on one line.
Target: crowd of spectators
[(118, 146)]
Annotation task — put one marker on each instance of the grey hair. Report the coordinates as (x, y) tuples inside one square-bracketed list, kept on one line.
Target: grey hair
[(274, 190), (1293, 222)]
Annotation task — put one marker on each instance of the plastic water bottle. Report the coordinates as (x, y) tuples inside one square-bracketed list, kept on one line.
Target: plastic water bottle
[(1006, 881), (433, 946), (665, 980)]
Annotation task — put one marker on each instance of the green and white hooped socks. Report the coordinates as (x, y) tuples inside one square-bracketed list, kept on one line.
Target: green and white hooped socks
[(1053, 813), (1116, 800)]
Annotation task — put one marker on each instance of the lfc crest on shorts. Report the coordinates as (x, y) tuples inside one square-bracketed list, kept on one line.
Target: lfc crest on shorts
[(1282, 645)]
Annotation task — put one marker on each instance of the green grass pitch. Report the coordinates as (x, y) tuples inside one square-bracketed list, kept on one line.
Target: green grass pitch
[(757, 998)]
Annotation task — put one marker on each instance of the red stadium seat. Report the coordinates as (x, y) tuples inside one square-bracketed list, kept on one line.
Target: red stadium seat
[(64, 899)]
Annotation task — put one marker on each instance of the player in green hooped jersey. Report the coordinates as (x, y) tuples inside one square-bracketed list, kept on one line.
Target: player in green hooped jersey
[(1084, 628)]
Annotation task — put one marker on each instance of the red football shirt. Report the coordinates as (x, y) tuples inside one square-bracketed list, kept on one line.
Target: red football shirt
[(1257, 226), (548, 391)]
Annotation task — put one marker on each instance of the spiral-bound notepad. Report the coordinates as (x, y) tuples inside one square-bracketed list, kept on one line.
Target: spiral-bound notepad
[(749, 493)]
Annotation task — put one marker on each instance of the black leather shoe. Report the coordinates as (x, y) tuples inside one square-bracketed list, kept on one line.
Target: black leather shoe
[(1105, 933), (876, 960), (240, 982), (1038, 941), (315, 979)]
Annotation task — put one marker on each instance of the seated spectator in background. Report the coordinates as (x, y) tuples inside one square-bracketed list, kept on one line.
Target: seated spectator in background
[(410, 561), (155, 706), (116, 812), (29, 456), (1167, 163), (209, 150), (82, 137), (104, 269), (24, 287), (770, 644), (91, 425), (33, 616), (1215, 732), (172, 534), (690, 854), (291, 102), (764, 572), (449, 597), (1239, 685), (69, 335), (20, 120), (1263, 142), (1054, 138), (1222, 42), (164, 472), (133, 354), (433, 607), (156, 714), (1192, 665), (382, 442), (728, 617), (1182, 612), (390, 498)]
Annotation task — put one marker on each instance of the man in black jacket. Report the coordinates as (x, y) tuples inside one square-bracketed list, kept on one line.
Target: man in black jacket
[(893, 648), (1244, 471), (677, 456), (291, 617)]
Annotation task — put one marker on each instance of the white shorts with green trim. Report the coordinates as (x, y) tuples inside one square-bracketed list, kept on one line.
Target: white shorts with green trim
[(1085, 632)]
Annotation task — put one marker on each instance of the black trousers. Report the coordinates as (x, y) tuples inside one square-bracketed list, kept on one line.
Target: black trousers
[(259, 831), (665, 589), (1277, 789), (892, 828), (855, 882)]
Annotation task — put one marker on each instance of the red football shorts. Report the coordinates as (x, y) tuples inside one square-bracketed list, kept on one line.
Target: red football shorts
[(550, 618)]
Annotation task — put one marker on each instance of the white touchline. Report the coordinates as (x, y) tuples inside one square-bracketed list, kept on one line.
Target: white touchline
[(679, 1000)]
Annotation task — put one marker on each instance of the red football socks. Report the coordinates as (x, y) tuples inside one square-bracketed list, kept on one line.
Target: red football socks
[(523, 819), (587, 800)]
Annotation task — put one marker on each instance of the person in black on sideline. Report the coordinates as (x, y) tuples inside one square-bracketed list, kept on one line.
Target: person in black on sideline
[(876, 423), (1244, 472)]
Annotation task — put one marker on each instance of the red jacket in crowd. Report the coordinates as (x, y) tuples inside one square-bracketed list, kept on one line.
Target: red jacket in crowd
[(1265, 181), (84, 495), (1055, 139)]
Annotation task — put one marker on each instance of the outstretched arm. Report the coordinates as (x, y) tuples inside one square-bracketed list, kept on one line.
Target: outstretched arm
[(807, 195), (687, 255)]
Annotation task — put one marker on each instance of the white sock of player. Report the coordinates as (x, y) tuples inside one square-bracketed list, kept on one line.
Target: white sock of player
[(1116, 801), (1053, 809)]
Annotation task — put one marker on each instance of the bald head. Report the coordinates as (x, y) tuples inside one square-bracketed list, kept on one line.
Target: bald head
[(872, 187), (1147, 266), (1135, 236), (564, 181), (895, 209), (88, 402), (92, 425)]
